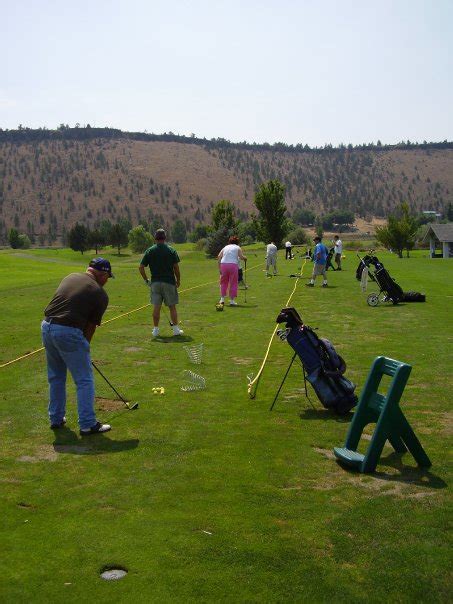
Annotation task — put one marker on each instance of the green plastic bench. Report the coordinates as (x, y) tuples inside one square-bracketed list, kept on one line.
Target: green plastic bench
[(385, 412)]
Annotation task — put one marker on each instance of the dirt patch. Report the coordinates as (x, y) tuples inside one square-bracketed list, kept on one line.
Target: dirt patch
[(328, 453), (133, 349), (242, 361), (99, 362), (390, 482), (43, 453), (108, 404), (140, 362)]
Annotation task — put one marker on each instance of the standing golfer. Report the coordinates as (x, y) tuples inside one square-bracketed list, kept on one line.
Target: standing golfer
[(338, 251), (163, 262), (70, 321), (320, 259), (288, 250), (228, 259), (271, 258)]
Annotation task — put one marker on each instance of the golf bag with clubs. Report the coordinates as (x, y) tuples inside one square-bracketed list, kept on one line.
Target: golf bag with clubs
[(329, 259), (322, 366), (387, 285)]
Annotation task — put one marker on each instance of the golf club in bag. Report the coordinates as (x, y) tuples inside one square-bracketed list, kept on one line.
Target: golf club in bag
[(388, 287), (322, 366), (130, 407)]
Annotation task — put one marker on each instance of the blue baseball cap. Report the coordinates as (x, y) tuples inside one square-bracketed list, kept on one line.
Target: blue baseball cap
[(101, 264)]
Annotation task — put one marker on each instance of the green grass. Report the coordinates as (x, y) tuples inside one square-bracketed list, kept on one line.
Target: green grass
[(207, 496)]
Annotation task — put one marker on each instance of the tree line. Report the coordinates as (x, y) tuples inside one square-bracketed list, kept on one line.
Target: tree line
[(84, 133)]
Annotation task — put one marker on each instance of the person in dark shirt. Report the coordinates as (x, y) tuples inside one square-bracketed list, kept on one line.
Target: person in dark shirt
[(163, 263), (70, 321)]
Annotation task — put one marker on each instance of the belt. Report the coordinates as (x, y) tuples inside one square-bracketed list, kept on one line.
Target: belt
[(64, 322)]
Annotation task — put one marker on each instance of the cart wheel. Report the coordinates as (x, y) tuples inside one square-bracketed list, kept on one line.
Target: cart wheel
[(373, 300)]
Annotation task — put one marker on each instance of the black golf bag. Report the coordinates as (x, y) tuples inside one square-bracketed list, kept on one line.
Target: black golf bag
[(329, 259), (323, 368), (387, 285)]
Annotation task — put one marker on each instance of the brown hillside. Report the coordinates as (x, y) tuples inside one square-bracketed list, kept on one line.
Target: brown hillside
[(45, 187)]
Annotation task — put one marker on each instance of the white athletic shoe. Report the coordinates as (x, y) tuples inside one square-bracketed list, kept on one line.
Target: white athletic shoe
[(233, 303), (98, 428), (155, 332), (177, 331)]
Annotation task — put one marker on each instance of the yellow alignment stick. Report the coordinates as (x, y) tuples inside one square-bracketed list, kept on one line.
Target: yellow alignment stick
[(253, 383)]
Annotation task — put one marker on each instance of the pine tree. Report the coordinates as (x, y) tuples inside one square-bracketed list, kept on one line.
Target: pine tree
[(271, 222), (78, 238)]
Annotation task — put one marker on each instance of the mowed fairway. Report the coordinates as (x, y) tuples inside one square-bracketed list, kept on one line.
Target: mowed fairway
[(207, 496)]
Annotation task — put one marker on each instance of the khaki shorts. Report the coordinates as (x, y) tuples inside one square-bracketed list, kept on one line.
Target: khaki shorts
[(319, 269), (164, 292)]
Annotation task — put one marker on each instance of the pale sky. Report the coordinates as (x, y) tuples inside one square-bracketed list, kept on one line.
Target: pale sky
[(306, 71)]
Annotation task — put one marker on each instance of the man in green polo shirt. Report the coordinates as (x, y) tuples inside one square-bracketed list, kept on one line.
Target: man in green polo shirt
[(163, 263)]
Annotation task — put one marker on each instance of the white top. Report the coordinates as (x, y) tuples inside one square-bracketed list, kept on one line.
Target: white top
[(288, 244), (230, 254), (271, 250), (338, 247)]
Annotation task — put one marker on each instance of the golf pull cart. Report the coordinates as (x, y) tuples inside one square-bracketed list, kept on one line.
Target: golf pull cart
[(389, 290)]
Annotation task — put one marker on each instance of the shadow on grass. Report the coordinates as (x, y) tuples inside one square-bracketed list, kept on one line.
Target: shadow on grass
[(67, 441), (172, 339), (244, 305), (410, 475), (325, 415)]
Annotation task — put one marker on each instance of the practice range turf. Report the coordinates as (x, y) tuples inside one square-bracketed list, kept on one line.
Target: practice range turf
[(207, 496)]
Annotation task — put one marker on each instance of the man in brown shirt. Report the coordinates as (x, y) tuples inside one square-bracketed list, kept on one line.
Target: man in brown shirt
[(71, 318)]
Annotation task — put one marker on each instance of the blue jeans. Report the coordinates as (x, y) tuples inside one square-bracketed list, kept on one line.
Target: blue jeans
[(67, 348)]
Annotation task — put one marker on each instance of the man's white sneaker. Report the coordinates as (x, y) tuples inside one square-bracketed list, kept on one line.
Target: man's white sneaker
[(155, 332), (177, 331), (98, 428), (233, 303)]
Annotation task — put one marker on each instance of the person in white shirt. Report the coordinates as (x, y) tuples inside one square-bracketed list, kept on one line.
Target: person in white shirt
[(271, 258), (288, 252), (338, 251), (228, 259)]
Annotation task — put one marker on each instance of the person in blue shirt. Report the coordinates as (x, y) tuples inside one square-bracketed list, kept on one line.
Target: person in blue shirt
[(320, 260)]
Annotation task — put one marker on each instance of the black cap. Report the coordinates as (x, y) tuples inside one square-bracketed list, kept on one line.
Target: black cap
[(101, 264)]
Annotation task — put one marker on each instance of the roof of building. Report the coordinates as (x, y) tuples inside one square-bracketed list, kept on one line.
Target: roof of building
[(443, 232)]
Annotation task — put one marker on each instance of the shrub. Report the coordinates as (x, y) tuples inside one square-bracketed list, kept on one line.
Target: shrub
[(24, 242), (217, 240), (298, 236), (139, 239), (200, 245)]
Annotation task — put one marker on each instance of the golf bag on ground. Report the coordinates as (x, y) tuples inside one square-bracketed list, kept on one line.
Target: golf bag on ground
[(387, 285), (322, 366)]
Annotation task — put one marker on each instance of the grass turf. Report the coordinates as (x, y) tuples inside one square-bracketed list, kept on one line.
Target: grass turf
[(206, 496)]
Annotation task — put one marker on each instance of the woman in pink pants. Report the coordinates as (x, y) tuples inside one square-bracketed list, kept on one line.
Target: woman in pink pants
[(228, 268)]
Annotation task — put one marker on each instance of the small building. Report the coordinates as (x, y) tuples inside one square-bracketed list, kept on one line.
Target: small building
[(440, 236), (432, 214)]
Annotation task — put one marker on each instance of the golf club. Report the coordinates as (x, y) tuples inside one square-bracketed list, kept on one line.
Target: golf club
[(245, 281), (130, 407), (166, 316)]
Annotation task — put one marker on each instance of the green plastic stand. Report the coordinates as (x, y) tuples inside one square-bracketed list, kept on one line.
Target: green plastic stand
[(385, 412)]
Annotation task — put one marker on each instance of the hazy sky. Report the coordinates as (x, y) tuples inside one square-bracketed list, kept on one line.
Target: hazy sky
[(309, 71)]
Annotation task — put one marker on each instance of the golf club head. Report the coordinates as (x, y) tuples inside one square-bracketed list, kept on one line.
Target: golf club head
[(133, 407)]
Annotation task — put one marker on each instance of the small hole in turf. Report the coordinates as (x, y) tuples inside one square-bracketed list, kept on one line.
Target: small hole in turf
[(113, 572)]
